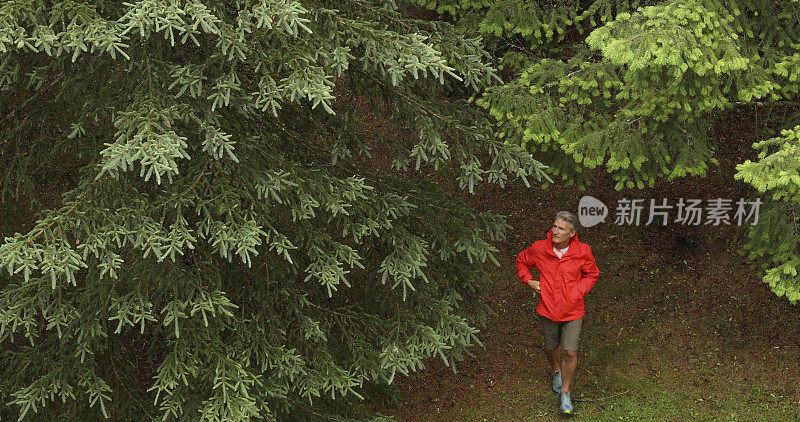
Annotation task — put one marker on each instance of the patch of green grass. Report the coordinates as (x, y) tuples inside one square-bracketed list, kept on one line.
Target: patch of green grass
[(653, 350)]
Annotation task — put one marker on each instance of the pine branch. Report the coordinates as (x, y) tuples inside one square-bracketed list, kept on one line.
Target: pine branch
[(35, 95)]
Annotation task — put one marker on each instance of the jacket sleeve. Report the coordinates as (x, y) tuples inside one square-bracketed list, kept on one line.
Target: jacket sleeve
[(590, 273), (525, 261)]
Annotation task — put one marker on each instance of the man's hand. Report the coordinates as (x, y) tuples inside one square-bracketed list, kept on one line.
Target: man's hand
[(534, 284)]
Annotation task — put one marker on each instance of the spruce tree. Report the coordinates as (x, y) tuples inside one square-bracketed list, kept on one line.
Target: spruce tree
[(236, 242), (634, 87)]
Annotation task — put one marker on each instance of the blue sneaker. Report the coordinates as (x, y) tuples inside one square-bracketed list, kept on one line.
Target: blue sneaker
[(566, 403), (557, 382)]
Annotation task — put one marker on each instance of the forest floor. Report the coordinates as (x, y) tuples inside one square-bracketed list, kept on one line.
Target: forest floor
[(678, 327)]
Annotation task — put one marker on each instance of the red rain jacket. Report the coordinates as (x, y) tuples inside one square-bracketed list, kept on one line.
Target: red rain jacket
[(563, 281)]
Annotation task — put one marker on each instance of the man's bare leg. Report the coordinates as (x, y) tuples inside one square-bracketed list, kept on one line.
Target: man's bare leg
[(569, 360), (553, 358)]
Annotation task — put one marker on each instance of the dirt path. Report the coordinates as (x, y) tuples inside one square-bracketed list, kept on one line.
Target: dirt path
[(677, 327)]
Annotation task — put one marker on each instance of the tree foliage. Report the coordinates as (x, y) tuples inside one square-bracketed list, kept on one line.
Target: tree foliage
[(635, 86), (230, 248)]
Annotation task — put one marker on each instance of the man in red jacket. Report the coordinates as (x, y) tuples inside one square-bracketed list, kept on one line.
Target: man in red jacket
[(567, 271)]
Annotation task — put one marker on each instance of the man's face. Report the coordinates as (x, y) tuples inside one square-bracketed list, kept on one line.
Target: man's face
[(562, 231)]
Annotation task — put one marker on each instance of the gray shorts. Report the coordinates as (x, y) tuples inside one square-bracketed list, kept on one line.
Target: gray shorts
[(564, 333)]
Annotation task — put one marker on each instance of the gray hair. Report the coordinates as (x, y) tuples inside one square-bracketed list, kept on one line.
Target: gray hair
[(569, 218)]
